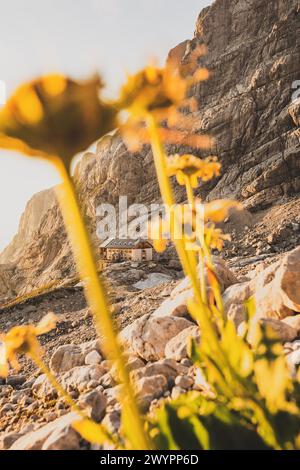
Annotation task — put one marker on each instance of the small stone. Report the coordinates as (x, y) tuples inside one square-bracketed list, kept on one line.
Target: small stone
[(93, 357), (186, 362), (293, 360), (106, 365), (176, 392), (31, 408), (149, 388), (92, 384), (6, 408), (5, 390), (15, 380), (112, 394), (94, 403), (107, 381), (112, 421), (51, 416), (177, 347), (9, 439), (184, 381)]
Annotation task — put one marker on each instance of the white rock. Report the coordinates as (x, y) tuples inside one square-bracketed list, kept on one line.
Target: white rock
[(184, 381), (293, 361), (153, 280), (147, 336), (57, 435), (149, 388), (93, 357), (166, 367), (94, 403), (174, 307), (65, 358), (177, 347), (79, 377), (112, 421)]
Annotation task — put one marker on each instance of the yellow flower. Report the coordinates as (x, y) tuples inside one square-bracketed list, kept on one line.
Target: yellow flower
[(215, 238), (159, 233), (152, 89), (54, 116), (23, 340), (217, 210), (163, 92), (183, 166)]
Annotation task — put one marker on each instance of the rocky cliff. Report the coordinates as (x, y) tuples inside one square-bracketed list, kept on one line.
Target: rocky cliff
[(254, 58)]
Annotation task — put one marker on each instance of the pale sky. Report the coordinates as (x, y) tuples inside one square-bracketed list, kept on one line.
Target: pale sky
[(77, 37)]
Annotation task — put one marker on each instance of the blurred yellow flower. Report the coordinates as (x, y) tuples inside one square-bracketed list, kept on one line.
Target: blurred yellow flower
[(152, 89), (159, 233), (54, 116), (191, 167), (23, 340), (54, 84), (217, 211), (163, 93), (215, 238)]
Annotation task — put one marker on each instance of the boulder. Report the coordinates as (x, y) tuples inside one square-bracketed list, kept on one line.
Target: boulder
[(294, 322), (65, 358), (57, 435), (94, 403), (112, 394), (93, 357), (149, 388), (174, 307), (112, 421), (166, 367), (147, 336), (79, 377), (177, 347), (277, 288), (276, 291), (184, 382), (284, 331)]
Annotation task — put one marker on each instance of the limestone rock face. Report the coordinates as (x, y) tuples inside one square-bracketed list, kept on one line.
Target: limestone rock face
[(254, 58), (246, 106)]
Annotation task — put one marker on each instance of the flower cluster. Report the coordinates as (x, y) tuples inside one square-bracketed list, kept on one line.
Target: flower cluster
[(23, 340)]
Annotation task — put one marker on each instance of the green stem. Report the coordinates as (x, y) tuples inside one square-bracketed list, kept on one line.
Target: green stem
[(96, 298), (169, 200)]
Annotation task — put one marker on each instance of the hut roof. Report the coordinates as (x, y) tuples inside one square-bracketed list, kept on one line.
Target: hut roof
[(123, 243)]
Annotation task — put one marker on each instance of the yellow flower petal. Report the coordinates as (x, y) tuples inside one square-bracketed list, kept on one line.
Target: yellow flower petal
[(28, 105), (54, 84), (47, 324), (217, 210)]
